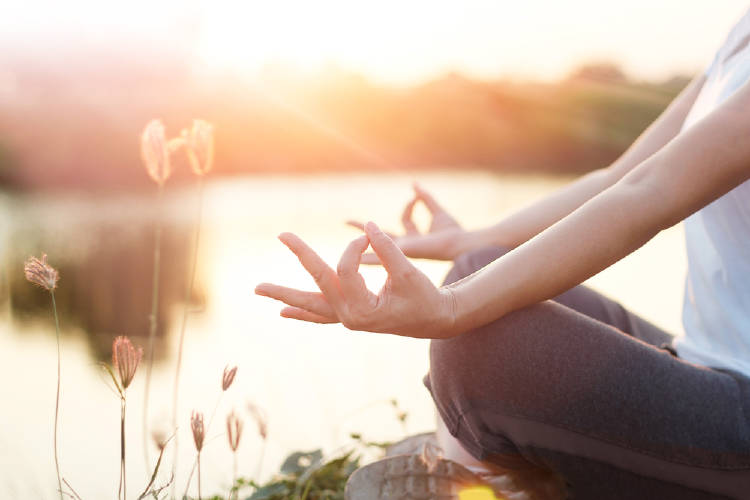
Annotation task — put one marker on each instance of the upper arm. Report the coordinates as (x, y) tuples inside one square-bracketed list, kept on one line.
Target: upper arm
[(660, 132), (700, 165)]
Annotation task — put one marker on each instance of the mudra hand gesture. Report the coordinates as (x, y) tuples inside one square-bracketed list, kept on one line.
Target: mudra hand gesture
[(444, 240), (408, 304)]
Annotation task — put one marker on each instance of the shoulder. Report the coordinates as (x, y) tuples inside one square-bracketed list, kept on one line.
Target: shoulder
[(737, 38)]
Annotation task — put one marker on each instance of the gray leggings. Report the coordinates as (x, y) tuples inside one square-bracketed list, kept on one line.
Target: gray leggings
[(582, 387)]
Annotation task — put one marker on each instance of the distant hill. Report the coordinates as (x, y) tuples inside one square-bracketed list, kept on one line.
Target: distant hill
[(74, 121)]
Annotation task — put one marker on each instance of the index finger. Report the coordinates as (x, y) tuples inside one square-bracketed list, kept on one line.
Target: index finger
[(406, 217), (432, 205), (390, 255), (324, 276), (361, 227), (351, 282)]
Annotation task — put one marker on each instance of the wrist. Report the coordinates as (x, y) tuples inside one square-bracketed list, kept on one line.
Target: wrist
[(468, 241), (472, 302), (449, 318)]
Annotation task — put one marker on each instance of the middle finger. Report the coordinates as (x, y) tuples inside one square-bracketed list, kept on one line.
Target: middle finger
[(324, 276)]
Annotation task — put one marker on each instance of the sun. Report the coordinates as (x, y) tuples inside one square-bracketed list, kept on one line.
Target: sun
[(390, 40), (305, 34), (398, 41)]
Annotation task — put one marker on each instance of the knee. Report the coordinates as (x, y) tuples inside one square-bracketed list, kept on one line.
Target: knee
[(498, 365), (500, 368), (468, 262)]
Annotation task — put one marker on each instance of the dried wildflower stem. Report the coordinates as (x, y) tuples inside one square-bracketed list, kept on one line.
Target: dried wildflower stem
[(125, 359), (153, 319), (123, 478), (234, 489), (150, 484), (199, 436), (57, 397), (199, 476), (259, 469), (183, 325), (74, 492), (198, 458), (234, 434), (262, 422)]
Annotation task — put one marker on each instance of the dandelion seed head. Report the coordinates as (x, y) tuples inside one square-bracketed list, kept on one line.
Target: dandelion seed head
[(228, 377), (234, 430), (125, 358), (199, 142), (40, 273), (196, 425), (155, 151)]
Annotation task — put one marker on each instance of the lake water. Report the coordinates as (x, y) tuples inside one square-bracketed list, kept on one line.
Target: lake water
[(317, 383)]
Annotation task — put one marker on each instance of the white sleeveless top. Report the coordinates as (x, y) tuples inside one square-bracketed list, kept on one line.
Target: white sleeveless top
[(716, 309)]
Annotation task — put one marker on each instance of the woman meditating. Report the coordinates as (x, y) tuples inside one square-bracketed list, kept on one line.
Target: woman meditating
[(529, 370)]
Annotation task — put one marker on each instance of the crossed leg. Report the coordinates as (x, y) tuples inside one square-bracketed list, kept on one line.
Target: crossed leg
[(581, 387)]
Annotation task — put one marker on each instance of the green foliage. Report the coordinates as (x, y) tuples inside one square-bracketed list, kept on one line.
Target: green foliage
[(307, 475), (304, 476)]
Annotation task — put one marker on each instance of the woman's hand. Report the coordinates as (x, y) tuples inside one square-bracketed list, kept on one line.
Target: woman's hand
[(444, 240), (408, 304)]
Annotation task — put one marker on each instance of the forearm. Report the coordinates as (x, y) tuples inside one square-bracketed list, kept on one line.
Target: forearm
[(538, 216), (661, 191), (535, 218), (598, 234)]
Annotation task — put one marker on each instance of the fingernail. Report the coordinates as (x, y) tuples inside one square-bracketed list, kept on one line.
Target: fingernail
[(260, 289), (372, 227)]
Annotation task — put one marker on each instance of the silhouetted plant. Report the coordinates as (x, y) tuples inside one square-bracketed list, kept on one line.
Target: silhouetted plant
[(199, 147), (40, 273), (125, 359)]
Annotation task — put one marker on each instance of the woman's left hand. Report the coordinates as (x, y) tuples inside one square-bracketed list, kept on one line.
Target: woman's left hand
[(408, 304)]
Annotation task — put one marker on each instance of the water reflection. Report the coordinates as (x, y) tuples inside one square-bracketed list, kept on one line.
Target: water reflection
[(106, 278)]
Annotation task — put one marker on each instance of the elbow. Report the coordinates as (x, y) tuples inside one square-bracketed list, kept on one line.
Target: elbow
[(653, 202)]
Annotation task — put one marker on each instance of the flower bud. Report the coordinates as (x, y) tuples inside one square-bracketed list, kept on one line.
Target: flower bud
[(199, 142), (234, 430), (196, 425), (155, 151), (260, 418), (125, 358), (228, 377), (40, 273)]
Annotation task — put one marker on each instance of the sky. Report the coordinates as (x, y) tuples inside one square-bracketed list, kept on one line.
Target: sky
[(392, 41)]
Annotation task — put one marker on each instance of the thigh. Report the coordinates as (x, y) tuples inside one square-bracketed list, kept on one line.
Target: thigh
[(557, 389), (579, 298)]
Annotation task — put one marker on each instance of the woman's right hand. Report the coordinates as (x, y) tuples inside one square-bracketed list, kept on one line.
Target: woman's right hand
[(444, 240)]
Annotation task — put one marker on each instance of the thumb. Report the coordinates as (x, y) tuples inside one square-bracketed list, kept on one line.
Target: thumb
[(370, 259), (390, 255)]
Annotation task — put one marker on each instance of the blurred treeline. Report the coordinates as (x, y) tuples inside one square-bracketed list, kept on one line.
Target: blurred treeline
[(75, 121)]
